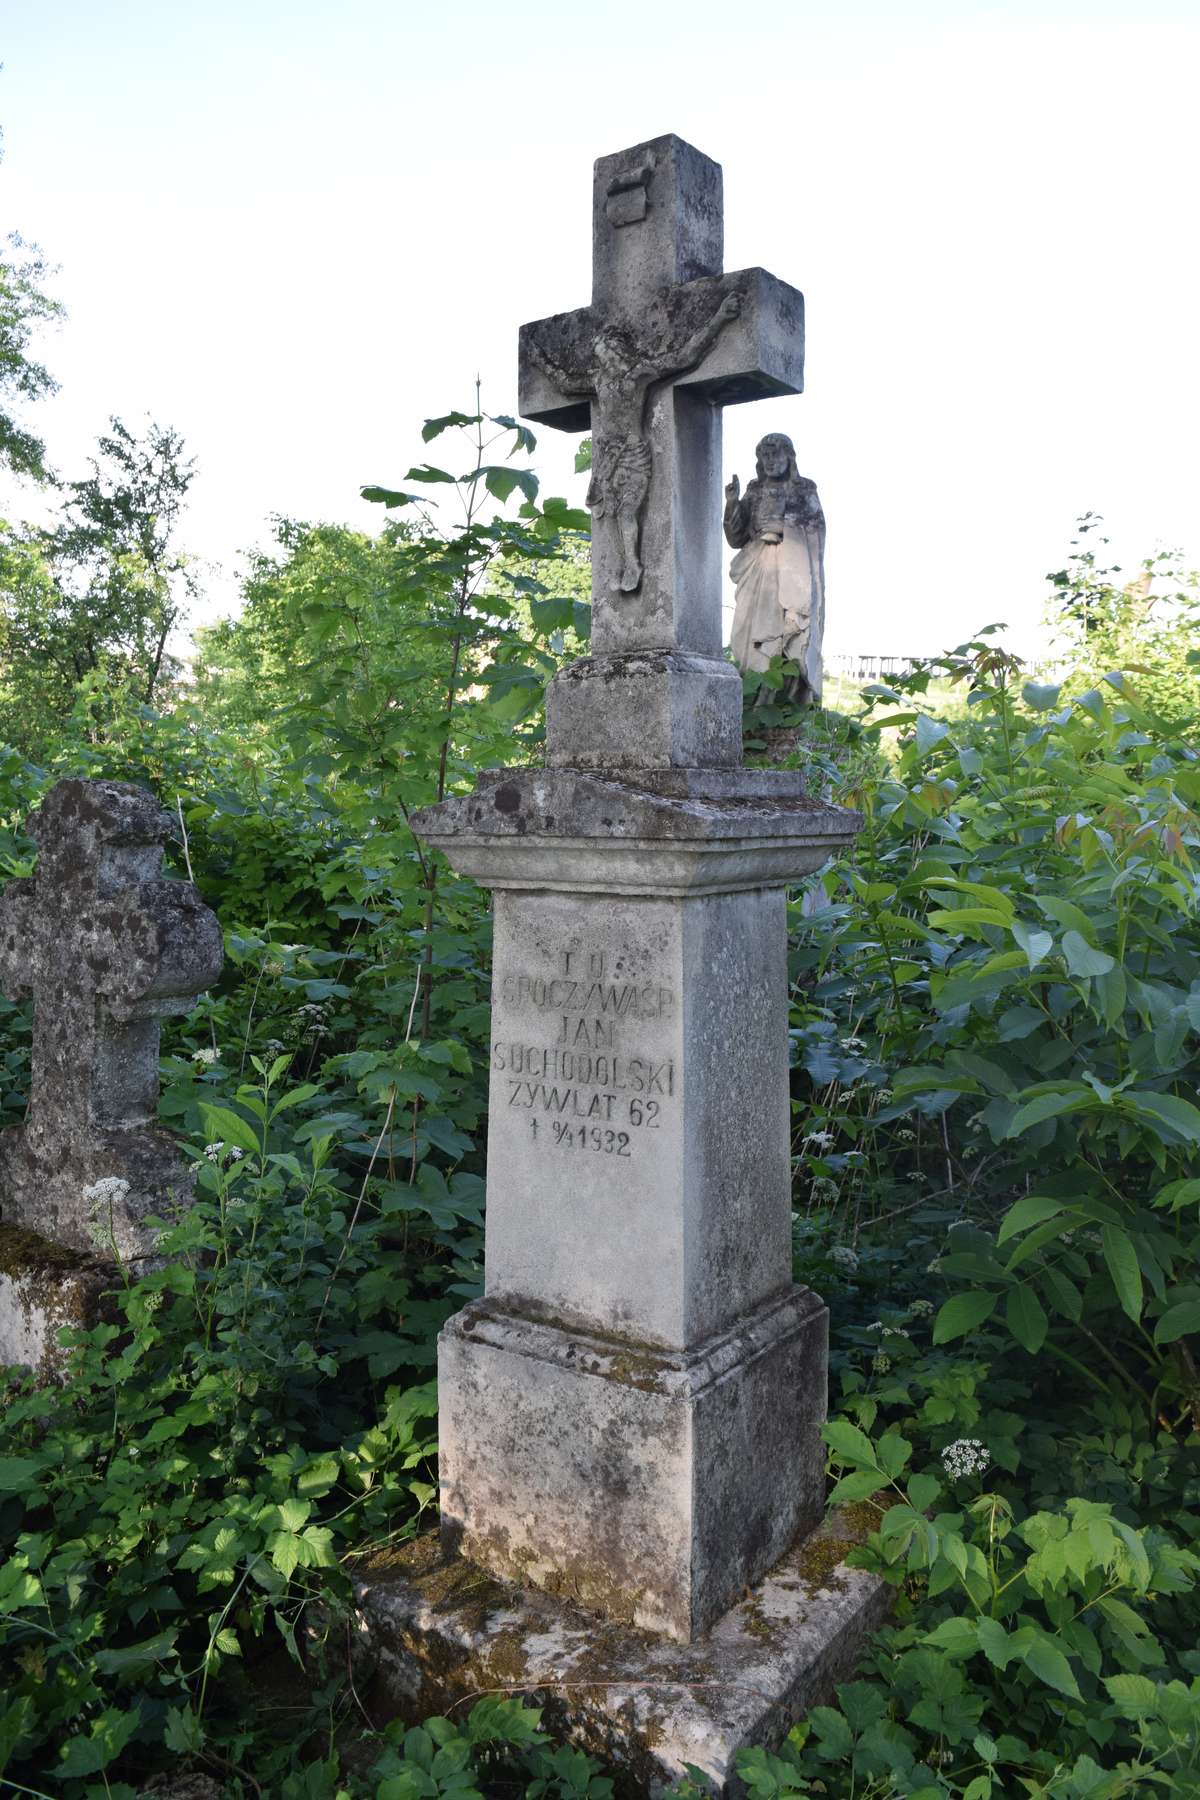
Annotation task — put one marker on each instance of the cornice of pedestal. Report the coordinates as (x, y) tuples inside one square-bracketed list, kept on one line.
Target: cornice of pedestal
[(669, 832)]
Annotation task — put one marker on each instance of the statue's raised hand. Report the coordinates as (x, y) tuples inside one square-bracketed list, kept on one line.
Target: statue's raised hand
[(733, 491), (730, 306)]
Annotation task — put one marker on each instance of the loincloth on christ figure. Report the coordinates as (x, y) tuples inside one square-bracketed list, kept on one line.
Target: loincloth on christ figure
[(620, 476)]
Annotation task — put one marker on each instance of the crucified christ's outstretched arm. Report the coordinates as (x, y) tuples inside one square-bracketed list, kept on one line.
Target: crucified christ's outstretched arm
[(697, 346), (564, 381)]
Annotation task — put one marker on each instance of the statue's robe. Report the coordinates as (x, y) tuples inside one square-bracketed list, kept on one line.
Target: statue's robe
[(780, 604)]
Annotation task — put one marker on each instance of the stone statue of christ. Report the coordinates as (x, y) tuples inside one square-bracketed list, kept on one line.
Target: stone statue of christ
[(618, 380)]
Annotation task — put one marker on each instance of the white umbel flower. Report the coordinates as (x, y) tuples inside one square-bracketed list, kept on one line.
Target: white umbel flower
[(110, 1190), (965, 1456)]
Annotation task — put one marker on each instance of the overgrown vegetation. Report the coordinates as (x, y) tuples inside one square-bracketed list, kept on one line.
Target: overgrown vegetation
[(995, 1013)]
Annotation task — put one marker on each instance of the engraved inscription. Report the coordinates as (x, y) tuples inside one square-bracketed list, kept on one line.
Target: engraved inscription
[(568, 1053)]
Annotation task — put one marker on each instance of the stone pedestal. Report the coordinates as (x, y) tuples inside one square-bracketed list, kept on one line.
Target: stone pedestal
[(652, 1486), (631, 1417)]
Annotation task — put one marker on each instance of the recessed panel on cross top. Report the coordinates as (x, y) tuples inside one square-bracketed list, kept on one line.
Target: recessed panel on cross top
[(668, 339)]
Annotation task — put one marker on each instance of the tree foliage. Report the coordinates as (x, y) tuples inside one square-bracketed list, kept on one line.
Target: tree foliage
[(88, 606), (25, 309)]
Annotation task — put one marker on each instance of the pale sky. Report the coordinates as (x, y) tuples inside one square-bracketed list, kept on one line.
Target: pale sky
[(294, 230)]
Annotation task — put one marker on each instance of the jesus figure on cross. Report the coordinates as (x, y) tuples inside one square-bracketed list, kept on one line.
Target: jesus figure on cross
[(617, 381)]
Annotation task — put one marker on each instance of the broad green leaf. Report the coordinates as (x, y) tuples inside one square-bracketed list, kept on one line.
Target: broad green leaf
[(1036, 1240), (1046, 1106), (1065, 912), (979, 890), (434, 427), (1037, 945), (994, 1642), (426, 472), (1122, 1261), (929, 732), (389, 497), (18, 1474), (501, 481), (892, 1452), (962, 917), (1178, 1321), (1026, 1318), (1019, 1022), (860, 1484), (1082, 959), (1047, 1662), (103, 1743), (1110, 994), (15, 1722), (286, 1553), (136, 1657), (959, 1637), (1135, 1696), (1033, 1209), (318, 1540), (962, 1313), (1062, 1294), (563, 517), (1178, 1194), (296, 1097), (922, 1491), (225, 1127), (834, 1739), (1179, 1114), (848, 1442)]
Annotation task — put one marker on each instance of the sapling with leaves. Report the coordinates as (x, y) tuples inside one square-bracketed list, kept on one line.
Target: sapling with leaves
[(474, 572)]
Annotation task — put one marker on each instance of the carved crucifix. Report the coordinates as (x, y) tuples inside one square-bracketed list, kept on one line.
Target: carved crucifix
[(105, 945), (666, 342)]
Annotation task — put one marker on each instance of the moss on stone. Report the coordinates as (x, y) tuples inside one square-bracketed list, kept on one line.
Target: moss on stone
[(51, 1286), (819, 1559), (23, 1253), (638, 1371)]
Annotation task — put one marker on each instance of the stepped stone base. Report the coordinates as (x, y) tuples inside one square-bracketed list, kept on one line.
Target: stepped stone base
[(650, 1485), (434, 1633), (44, 1286)]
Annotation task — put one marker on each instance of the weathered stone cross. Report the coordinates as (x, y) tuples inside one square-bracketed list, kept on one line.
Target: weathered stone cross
[(630, 1416), (666, 342), (106, 946)]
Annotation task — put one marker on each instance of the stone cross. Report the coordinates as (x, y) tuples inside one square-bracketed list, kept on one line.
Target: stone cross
[(630, 1417), (106, 946), (666, 342)]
